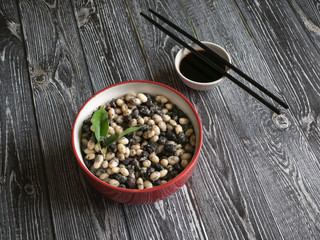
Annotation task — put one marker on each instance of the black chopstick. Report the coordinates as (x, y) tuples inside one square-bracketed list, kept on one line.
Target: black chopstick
[(231, 66), (212, 64)]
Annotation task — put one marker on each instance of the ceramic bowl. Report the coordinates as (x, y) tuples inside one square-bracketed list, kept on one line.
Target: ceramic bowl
[(136, 196), (201, 85)]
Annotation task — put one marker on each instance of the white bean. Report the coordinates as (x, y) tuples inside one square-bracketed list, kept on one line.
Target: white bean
[(142, 97), (140, 183), (124, 172), (119, 102), (164, 162), (154, 158), (109, 156), (114, 183), (118, 130), (184, 163), (116, 170), (91, 144), (88, 150), (104, 176), (98, 161), (163, 172), (188, 132), (147, 184), (162, 125), (193, 140), (123, 141), (146, 163), (111, 113), (155, 176), (90, 156), (169, 106), (157, 118), (166, 118), (178, 129), (184, 121)]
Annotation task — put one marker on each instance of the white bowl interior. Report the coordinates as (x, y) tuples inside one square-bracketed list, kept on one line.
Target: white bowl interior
[(130, 87)]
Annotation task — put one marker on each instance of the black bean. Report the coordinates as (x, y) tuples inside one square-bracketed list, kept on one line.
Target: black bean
[(113, 148), (113, 103), (151, 147), (150, 170), (84, 144), (181, 138), (122, 186), (149, 103), (135, 113), (141, 159), (162, 134), (131, 182), (157, 183), (173, 174), (143, 172), (145, 128), (122, 179), (158, 166), (145, 154), (171, 135), (148, 96), (162, 140), (127, 119), (178, 167), (86, 128), (129, 135), (145, 111), (158, 111), (136, 164), (126, 161), (169, 148), (185, 128)]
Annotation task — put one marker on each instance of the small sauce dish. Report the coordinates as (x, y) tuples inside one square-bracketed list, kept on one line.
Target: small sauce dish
[(203, 82)]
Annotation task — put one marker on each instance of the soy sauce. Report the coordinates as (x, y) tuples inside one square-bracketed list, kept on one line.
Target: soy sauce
[(197, 70)]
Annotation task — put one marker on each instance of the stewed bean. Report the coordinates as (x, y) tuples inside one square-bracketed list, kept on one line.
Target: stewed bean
[(149, 157)]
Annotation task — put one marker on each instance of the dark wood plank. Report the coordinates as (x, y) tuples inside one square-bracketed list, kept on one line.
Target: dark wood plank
[(261, 175), (24, 194), (109, 26), (60, 85), (109, 42)]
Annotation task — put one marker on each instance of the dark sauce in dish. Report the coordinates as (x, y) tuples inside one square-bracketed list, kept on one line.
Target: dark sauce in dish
[(196, 70)]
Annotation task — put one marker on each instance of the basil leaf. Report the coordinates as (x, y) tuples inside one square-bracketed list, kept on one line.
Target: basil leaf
[(100, 124), (114, 138)]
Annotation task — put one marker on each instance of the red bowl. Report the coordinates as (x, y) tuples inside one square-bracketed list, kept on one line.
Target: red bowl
[(136, 196)]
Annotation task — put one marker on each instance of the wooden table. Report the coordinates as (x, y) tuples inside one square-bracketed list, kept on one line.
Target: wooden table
[(258, 175)]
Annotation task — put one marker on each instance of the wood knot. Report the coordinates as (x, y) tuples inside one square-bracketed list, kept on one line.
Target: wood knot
[(39, 76), (281, 121), (82, 15), (30, 189)]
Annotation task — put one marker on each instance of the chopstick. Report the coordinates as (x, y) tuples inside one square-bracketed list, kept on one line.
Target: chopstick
[(213, 65), (225, 62)]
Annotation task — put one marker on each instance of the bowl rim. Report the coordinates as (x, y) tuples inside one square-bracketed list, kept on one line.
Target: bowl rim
[(177, 178)]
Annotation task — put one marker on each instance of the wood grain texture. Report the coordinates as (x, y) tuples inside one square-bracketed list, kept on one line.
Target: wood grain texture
[(24, 200), (109, 42), (249, 156), (109, 26), (60, 85), (258, 173)]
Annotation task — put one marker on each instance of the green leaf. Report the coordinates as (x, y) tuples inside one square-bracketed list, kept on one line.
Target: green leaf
[(114, 138), (100, 124)]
